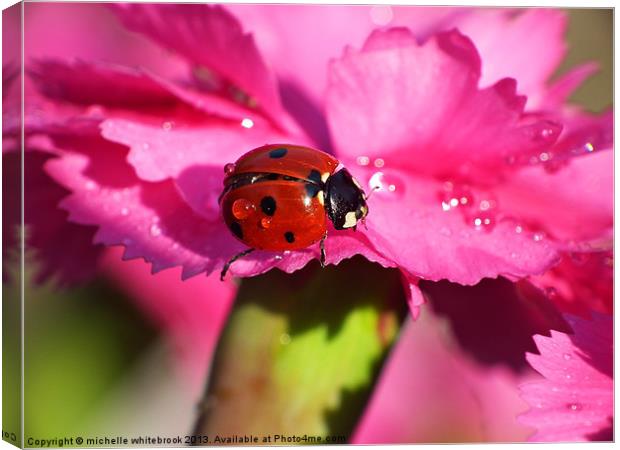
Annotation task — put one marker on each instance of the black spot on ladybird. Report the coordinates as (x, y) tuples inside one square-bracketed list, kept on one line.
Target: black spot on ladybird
[(315, 176), (289, 236), (236, 229), (278, 153), (268, 205)]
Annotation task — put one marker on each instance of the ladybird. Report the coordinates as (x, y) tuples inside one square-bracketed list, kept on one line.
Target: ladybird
[(279, 197)]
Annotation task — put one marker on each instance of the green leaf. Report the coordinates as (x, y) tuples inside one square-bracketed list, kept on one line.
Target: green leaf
[(301, 352)]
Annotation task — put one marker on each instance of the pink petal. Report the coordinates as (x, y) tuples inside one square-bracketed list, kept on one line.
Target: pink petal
[(494, 320), (150, 219), (284, 33), (418, 107), (430, 392), (87, 83), (574, 401), (91, 31), (63, 252), (101, 85), (560, 90), (191, 312), (407, 224), (208, 35), (572, 204), (581, 283), (193, 156), (528, 47)]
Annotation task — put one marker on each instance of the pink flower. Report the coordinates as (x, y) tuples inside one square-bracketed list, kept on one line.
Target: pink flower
[(574, 401), (456, 165)]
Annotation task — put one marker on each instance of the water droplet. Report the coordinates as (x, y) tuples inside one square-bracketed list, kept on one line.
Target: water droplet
[(386, 184), (589, 147), (247, 123), (286, 252), (167, 126), (363, 160), (90, 185), (381, 15), (544, 156), (484, 221), (538, 236), (379, 162), (574, 406), (551, 292), (518, 229), (125, 211), (278, 257), (566, 356), (243, 208), (229, 168), (265, 222), (455, 196), (285, 339), (155, 230)]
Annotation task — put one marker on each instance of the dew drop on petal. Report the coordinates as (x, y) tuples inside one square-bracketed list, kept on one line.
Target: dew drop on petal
[(265, 222), (278, 257), (574, 406), (229, 168), (155, 230), (286, 252), (363, 160), (243, 208), (247, 123), (518, 229), (167, 125), (379, 162), (384, 184), (538, 237), (551, 292)]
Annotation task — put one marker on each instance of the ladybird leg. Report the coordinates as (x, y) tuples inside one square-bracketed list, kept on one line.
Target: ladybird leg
[(322, 245), (232, 260)]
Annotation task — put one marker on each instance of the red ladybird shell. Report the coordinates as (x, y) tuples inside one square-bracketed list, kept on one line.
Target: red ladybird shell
[(279, 204)]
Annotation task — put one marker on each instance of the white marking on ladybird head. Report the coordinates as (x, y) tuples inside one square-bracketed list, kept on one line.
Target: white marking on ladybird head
[(350, 220), (324, 177), (321, 197)]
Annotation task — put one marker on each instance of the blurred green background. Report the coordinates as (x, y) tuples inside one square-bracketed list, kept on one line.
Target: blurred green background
[(93, 361)]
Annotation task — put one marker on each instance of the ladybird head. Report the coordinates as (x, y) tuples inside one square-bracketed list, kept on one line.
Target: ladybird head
[(345, 200)]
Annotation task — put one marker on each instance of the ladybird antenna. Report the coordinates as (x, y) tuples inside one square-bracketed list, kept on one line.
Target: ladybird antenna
[(374, 188)]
